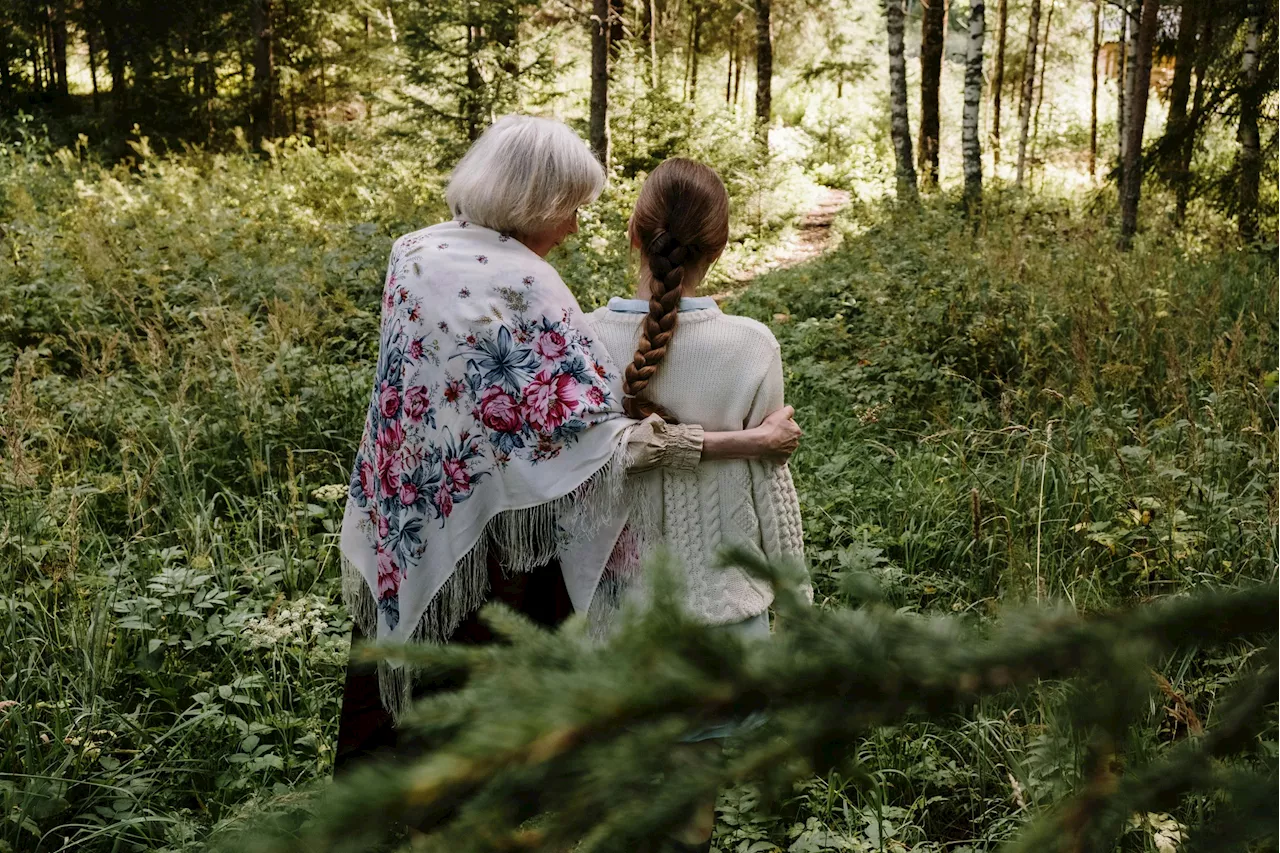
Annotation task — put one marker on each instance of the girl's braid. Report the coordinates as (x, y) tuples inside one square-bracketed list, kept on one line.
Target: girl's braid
[(667, 259)]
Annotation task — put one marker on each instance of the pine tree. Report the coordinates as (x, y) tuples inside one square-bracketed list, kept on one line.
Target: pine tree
[(555, 743), (459, 61)]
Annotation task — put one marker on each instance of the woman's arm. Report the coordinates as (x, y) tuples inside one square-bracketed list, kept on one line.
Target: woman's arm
[(654, 443), (776, 438)]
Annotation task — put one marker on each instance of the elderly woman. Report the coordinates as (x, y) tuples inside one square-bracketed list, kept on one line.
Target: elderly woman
[(495, 447)]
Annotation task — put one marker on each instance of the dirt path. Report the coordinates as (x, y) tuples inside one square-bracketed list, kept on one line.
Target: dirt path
[(813, 238)]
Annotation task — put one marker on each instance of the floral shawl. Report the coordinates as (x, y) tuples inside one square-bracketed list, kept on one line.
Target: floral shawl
[(495, 421)]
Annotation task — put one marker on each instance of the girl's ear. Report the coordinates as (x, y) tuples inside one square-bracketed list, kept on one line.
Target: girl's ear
[(631, 233)]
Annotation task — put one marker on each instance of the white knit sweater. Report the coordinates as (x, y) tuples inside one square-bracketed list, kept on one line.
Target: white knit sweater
[(725, 373)]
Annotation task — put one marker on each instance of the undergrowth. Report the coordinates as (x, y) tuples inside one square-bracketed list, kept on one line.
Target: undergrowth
[(186, 349)]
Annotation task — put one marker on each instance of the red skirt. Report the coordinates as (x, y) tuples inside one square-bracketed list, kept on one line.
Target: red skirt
[(365, 728)]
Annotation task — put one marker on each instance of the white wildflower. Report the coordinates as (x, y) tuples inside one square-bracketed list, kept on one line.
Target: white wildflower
[(331, 492), (293, 622)]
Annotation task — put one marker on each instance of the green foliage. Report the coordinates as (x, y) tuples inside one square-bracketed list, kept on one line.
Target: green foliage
[(186, 346), (468, 63), (554, 741)]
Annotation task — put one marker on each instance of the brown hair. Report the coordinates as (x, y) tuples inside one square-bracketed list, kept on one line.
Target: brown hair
[(681, 222)]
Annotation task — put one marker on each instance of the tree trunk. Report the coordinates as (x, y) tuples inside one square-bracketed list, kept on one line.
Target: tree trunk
[(972, 101), (651, 27), (60, 47), (997, 83), (93, 65), (263, 71), (6, 85), (1028, 90), (1132, 9), (688, 61), (1141, 58), (1044, 65), (728, 77), (696, 49), (473, 99), (1093, 92), (599, 129), (737, 73), (1250, 103), (764, 70), (46, 51), (1180, 89), (35, 69), (899, 125), (1203, 54), (116, 66), (931, 37)]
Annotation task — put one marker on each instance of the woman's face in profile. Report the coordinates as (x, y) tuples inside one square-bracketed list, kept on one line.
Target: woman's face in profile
[(553, 235)]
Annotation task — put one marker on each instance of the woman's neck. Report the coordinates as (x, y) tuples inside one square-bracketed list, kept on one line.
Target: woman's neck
[(644, 285)]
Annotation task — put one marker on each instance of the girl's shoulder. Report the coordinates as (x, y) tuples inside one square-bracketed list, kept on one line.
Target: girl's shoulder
[(747, 329)]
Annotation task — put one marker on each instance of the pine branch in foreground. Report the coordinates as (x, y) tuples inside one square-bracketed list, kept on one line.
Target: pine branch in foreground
[(557, 744)]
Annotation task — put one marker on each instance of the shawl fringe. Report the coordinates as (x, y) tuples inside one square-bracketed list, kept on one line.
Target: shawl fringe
[(526, 539)]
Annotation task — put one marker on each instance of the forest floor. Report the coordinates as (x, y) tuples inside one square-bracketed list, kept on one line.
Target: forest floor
[(812, 239)]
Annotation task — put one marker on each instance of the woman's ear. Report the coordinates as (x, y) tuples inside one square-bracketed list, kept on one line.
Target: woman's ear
[(631, 233)]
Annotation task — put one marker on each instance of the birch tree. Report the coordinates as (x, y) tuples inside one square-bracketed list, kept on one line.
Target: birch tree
[(1028, 90), (972, 148), (1250, 103), (899, 127), (1132, 11)]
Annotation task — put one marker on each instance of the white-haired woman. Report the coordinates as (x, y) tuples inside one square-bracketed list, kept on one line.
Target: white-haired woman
[(495, 446)]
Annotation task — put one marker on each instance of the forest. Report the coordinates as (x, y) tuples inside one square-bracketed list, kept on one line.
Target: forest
[(1021, 260)]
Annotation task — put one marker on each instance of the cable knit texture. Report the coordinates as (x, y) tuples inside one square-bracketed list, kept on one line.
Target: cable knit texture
[(724, 373)]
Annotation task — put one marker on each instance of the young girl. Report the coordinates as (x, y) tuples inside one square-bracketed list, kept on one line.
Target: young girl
[(691, 363)]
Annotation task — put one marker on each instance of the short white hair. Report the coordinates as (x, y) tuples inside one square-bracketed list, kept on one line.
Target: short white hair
[(524, 174)]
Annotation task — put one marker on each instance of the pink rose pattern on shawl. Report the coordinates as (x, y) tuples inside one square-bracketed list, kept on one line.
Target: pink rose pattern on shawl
[(524, 387)]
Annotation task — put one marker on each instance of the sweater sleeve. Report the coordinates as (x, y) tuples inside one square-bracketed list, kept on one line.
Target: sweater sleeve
[(768, 397), (654, 443), (774, 494)]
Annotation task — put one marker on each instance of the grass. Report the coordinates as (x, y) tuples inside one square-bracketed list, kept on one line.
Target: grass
[(188, 339), (1027, 414)]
